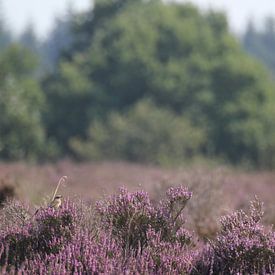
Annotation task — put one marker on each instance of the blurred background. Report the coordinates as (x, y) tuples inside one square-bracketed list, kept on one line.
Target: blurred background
[(129, 92), (143, 81)]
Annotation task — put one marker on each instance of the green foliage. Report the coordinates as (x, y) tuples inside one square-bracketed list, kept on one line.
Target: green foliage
[(145, 134), (188, 64), (241, 118), (21, 100), (204, 96), (261, 43), (69, 102)]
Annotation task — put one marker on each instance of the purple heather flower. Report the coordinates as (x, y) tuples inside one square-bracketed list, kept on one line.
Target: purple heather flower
[(180, 194)]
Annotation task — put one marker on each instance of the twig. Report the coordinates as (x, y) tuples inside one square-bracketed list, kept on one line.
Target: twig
[(62, 180)]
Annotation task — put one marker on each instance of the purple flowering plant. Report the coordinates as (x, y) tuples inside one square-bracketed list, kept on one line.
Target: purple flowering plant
[(131, 215), (243, 246), (45, 233), (127, 233)]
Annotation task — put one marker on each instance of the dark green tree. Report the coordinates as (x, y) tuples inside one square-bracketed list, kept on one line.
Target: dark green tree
[(184, 61), (69, 95), (145, 133), (21, 101), (260, 43), (85, 24)]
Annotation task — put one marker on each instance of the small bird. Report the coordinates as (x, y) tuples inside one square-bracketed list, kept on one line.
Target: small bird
[(56, 202)]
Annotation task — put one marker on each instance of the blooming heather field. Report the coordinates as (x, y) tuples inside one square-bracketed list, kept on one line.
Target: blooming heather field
[(120, 218)]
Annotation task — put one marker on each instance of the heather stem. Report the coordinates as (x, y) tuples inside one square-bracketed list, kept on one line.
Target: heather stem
[(61, 180)]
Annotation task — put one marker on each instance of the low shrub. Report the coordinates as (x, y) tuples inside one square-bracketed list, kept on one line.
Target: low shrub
[(243, 246), (45, 233), (131, 215), (129, 234)]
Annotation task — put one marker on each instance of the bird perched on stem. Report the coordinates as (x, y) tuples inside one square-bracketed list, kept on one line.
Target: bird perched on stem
[(56, 202)]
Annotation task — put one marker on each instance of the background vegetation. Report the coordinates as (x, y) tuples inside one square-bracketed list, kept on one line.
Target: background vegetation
[(141, 81), (260, 42)]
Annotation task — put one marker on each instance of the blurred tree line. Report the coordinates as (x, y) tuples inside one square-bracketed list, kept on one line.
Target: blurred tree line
[(136, 80), (260, 42)]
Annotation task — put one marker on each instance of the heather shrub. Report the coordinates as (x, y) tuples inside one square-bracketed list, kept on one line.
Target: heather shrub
[(86, 254), (166, 257), (128, 215), (131, 215), (128, 233), (45, 233), (170, 219), (53, 229), (209, 199), (16, 246), (13, 214), (243, 246)]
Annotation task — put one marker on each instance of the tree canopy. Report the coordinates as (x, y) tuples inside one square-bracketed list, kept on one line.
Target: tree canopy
[(261, 42), (21, 102), (137, 79), (182, 60)]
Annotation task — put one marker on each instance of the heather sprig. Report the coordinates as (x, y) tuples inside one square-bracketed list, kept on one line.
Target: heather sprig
[(170, 219)]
